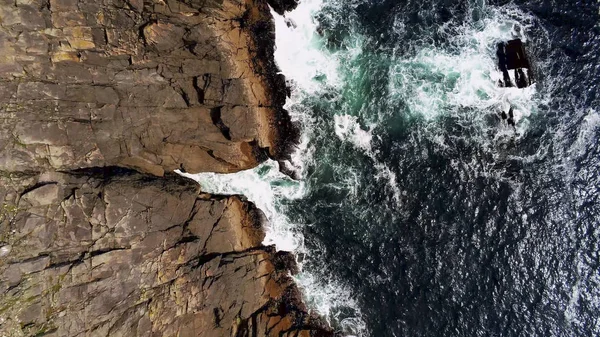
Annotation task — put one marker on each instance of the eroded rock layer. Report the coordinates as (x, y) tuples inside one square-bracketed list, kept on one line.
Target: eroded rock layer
[(99, 102)]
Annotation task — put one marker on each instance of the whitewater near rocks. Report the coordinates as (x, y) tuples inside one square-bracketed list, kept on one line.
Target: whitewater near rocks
[(419, 212)]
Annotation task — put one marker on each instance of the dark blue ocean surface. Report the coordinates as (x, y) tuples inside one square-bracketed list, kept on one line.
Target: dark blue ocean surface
[(448, 222)]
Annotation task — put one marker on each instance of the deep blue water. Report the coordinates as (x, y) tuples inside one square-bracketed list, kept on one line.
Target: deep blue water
[(483, 232)]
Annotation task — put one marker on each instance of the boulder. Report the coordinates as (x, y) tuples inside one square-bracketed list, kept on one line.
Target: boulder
[(512, 56)]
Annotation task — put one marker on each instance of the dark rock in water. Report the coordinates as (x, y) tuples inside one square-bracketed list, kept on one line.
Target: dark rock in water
[(288, 169), (515, 55), (511, 117), (521, 78), (285, 261), (508, 117), (282, 6), (511, 56), (501, 53), (290, 23)]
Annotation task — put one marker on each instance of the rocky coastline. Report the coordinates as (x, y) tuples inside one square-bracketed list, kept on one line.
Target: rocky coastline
[(100, 101)]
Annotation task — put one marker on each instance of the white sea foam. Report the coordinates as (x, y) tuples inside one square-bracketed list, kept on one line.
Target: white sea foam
[(347, 128), (438, 81), (468, 80), (386, 174), (302, 58), (264, 186), (587, 134), (458, 79), (300, 54), (305, 62), (588, 131), (326, 297)]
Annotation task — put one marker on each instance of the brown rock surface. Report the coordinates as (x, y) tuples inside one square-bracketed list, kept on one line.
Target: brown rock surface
[(152, 85), (115, 253), (99, 102)]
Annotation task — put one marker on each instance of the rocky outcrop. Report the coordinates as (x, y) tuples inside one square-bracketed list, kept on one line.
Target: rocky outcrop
[(115, 253), (99, 102), (150, 85)]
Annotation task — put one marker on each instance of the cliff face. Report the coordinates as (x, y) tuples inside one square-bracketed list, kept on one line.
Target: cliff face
[(99, 102), (153, 86)]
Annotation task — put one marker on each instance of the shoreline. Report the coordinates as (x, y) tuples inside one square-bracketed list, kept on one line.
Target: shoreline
[(97, 236)]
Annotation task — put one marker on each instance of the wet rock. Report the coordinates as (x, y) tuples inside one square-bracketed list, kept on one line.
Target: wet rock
[(282, 6), (512, 56), (289, 170), (511, 117), (290, 23)]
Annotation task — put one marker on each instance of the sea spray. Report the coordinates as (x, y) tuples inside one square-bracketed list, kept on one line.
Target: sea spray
[(348, 129), (462, 81), (486, 237), (312, 71), (300, 52), (264, 185)]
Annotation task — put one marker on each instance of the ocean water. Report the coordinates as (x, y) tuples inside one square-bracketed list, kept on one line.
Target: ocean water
[(419, 211)]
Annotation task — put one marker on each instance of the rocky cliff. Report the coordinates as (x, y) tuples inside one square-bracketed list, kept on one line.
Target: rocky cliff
[(99, 102)]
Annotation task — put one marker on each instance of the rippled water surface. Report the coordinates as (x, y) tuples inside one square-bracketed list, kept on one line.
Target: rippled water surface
[(420, 213)]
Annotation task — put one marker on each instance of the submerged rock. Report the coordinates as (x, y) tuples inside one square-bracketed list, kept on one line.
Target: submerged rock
[(512, 57), (290, 23)]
